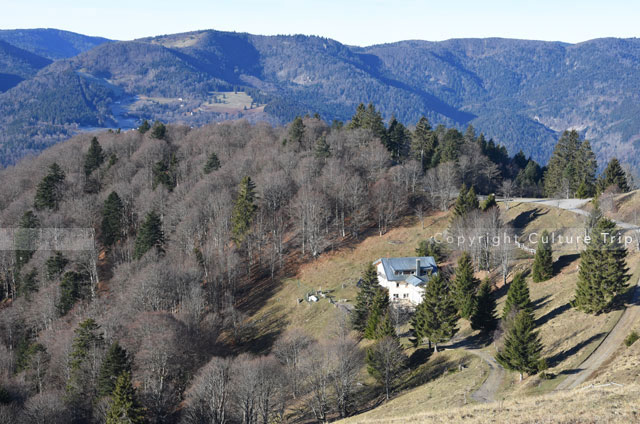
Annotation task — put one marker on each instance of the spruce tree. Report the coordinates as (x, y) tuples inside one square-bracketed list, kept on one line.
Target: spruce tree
[(615, 175), (297, 130), (124, 408), (112, 220), (213, 163), (397, 140), (26, 238), (150, 235), (543, 263), (436, 316), (484, 315), (28, 284), (244, 210), (561, 175), (518, 298), (159, 130), (70, 291), (431, 248), (144, 127), (322, 149), (603, 270), (423, 143), (489, 202), (116, 362), (522, 347), (465, 286), (466, 202), (49, 191), (88, 337), (378, 322), (369, 286), (55, 265), (94, 157)]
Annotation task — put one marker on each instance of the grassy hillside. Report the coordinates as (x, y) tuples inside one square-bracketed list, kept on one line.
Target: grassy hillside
[(610, 404)]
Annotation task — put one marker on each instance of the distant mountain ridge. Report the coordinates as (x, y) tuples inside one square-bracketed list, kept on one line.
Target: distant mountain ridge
[(521, 93), (51, 43)]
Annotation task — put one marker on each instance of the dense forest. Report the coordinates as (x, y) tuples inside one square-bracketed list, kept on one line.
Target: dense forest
[(521, 93), (193, 229)]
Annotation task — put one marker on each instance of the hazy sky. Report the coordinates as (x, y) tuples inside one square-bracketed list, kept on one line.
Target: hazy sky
[(358, 22)]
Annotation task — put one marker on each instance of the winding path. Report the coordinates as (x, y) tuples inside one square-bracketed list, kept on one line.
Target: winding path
[(608, 346), (623, 327)]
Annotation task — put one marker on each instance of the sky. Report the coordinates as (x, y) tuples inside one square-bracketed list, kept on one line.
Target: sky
[(354, 22)]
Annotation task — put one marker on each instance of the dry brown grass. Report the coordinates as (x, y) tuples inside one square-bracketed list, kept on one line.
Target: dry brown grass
[(609, 404), (338, 272)]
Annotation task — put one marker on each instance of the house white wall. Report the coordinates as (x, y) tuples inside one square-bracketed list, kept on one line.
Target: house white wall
[(399, 291)]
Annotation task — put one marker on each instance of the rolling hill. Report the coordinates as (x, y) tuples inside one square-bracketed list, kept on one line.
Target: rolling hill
[(521, 93)]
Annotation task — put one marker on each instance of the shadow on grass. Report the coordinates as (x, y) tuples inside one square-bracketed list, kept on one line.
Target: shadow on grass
[(539, 303), (563, 261), (553, 313), (559, 357), (525, 218)]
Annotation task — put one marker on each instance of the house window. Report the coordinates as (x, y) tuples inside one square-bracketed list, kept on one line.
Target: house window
[(405, 295), (395, 295), (397, 284)]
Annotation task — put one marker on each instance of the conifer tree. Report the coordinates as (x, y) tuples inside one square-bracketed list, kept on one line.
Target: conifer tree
[(465, 286), (55, 265), (397, 139), (484, 315), (522, 347), (543, 263), (431, 248), (94, 157), (369, 286), (297, 130), (159, 130), (518, 298), (25, 238), (436, 316), (466, 202), (359, 118), (69, 291), (144, 127), (571, 163), (150, 235), (28, 284), (87, 338), (49, 191), (489, 202), (322, 149), (112, 219), (124, 408), (244, 210), (615, 175), (423, 143), (378, 322), (603, 270), (213, 163), (116, 362)]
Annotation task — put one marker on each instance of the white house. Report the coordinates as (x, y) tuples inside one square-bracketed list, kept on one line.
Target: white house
[(405, 278)]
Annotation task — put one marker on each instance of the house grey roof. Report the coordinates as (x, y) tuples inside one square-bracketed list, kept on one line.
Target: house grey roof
[(416, 281), (394, 267)]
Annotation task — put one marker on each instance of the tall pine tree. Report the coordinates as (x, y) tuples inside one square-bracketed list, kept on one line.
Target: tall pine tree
[(150, 235), (518, 298), (244, 210), (213, 163), (369, 286), (112, 220), (522, 347), (49, 191), (116, 362), (423, 143), (465, 286), (484, 315), (543, 263), (614, 175), (436, 316), (94, 157), (603, 270), (379, 322), (124, 408)]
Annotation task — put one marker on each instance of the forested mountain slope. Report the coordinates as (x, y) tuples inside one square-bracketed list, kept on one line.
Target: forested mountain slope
[(521, 93), (49, 42)]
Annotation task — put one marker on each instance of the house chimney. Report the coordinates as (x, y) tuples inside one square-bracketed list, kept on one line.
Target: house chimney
[(417, 267)]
